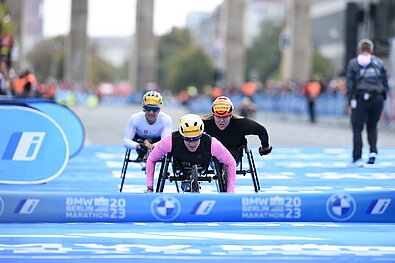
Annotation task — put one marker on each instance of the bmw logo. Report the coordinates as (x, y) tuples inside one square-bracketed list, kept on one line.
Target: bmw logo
[(340, 207), (165, 208)]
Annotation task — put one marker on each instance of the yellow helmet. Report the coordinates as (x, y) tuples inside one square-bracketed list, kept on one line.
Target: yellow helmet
[(191, 127), (152, 98)]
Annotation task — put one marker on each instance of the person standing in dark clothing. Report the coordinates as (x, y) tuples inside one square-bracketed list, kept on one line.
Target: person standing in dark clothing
[(367, 87), (311, 90), (231, 130)]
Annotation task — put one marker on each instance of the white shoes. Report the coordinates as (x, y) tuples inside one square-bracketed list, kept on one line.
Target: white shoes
[(372, 158), (359, 162)]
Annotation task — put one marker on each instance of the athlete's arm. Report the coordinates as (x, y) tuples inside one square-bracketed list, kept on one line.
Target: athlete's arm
[(163, 147), (253, 128), (385, 81), (166, 130), (129, 134), (167, 127), (223, 155)]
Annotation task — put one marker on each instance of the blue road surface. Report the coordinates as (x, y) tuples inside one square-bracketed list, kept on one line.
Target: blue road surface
[(304, 172), (210, 242)]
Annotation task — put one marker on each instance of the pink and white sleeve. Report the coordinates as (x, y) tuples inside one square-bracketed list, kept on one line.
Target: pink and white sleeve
[(163, 147)]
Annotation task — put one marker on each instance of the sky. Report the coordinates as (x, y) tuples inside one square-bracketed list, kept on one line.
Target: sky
[(118, 20)]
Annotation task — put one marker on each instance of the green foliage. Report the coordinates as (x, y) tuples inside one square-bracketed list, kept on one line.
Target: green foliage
[(264, 55), (322, 67), (169, 45), (99, 69), (6, 24), (181, 63), (191, 66), (173, 41), (47, 58)]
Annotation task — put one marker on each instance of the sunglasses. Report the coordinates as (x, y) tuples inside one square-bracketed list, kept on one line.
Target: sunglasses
[(148, 108), (222, 117), (191, 139)]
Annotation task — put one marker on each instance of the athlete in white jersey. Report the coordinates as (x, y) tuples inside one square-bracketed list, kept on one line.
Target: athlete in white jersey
[(146, 128)]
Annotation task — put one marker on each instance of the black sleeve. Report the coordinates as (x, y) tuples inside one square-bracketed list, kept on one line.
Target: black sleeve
[(251, 127), (350, 79), (385, 81)]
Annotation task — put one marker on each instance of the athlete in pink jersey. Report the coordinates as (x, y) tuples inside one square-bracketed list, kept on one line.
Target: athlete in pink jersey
[(190, 144)]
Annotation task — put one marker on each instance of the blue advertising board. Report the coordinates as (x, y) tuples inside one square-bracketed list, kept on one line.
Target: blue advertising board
[(33, 147), (57, 207), (65, 117)]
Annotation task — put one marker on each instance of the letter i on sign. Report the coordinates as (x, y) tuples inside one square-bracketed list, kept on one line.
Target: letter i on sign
[(23, 146)]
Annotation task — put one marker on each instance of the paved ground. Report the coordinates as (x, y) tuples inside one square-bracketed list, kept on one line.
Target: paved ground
[(97, 169), (312, 208), (105, 125)]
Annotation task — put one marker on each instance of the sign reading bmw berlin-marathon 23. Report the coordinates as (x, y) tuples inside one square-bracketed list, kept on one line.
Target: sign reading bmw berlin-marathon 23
[(117, 207), (33, 147)]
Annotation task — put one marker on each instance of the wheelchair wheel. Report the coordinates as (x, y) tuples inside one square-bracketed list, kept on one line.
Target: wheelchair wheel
[(254, 174), (194, 179), (220, 176), (163, 174), (126, 161), (224, 177)]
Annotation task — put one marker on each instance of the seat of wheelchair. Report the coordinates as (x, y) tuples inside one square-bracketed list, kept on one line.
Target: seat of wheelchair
[(245, 164), (140, 159), (181, 169)]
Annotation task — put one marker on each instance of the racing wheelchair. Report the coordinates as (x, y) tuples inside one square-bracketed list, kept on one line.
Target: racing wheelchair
[(245, 155), (126, 162), (190, 175)]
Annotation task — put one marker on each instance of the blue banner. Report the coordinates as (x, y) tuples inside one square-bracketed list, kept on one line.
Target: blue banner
[(33, 147), (65, 117), (32, 207)]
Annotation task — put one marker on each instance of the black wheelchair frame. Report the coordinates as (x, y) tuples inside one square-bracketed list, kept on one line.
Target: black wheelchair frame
[(190, 176), (125, 164), (245, 151), (251, 167)]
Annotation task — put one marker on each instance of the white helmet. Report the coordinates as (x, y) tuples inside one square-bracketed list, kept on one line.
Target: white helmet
[(152, 98), (191, 127), (222, 107)]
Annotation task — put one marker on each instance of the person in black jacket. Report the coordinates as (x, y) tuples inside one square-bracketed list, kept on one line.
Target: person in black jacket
[(367, 87), (231, 130)]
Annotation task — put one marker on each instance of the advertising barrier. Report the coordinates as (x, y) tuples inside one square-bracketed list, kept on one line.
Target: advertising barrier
[(33, 147), (31, 207), (65, 117)]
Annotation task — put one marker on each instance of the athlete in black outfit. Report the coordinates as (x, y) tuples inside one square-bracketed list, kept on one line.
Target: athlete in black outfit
[(231, 129), (367, 87)]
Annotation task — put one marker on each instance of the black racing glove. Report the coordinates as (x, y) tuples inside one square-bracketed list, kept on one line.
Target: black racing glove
[(143, 147), (266, 151)]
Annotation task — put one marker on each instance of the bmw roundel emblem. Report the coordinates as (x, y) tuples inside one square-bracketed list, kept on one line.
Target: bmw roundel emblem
[(165, 208), (340, 207)]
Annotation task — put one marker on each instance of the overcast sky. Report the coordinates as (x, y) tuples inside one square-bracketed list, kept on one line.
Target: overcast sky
[(117, 17)]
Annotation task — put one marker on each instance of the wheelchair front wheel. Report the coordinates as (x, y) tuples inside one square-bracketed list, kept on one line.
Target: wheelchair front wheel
[(194, 179), (220, 176), (224, 177)]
